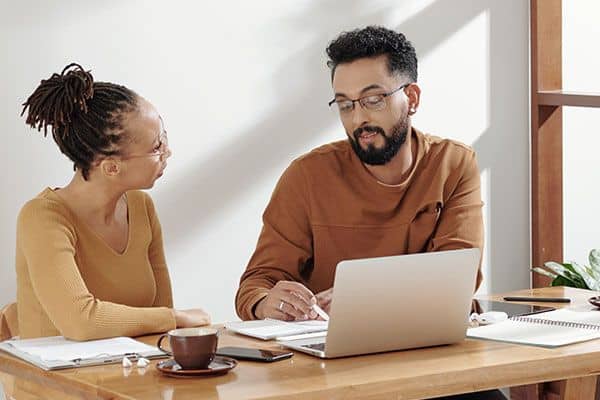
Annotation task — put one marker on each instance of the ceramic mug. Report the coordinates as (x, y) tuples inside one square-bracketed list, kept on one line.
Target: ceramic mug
[(192, 348)]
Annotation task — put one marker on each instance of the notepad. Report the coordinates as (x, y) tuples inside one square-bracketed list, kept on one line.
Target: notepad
[(56, 352), (549, 329), (268, 329)]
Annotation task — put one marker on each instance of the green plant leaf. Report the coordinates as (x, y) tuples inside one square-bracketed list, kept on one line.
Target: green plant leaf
[(561, 281), (542, 271), (595, 260), (589, 280), (594, 267), (592, 273), (568, 273), (557, 268), (573, 275), (564, 270)]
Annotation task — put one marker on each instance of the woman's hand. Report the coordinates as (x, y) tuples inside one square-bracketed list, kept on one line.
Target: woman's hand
[(191, 318)]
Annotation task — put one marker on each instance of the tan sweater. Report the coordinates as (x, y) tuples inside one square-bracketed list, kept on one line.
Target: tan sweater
[(71, 283), (327, 207)]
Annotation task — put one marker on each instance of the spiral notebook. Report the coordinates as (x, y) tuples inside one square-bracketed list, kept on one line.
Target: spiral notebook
[(549, 329)]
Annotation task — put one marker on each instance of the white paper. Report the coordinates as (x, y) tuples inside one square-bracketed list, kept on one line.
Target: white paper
[(553, 333), (271, 328), (57, 348)]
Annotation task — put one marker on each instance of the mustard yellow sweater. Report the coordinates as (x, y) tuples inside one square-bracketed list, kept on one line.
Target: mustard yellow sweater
[(327, 208), (71, 283)]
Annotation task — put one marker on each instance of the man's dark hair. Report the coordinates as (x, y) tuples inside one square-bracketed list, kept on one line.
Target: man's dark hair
[(374, 41), (86, 116)]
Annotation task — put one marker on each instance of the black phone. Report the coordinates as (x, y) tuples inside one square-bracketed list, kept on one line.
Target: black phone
[(247, 353)]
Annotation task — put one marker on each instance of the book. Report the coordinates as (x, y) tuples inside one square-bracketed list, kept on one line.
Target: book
[(548, 329), (267, 329), (56, 352)]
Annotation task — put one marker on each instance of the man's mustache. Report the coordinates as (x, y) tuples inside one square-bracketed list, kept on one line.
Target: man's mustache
[(369, 129)]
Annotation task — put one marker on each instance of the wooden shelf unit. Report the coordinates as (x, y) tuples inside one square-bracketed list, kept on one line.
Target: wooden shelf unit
[(547, 100), (566, 98)]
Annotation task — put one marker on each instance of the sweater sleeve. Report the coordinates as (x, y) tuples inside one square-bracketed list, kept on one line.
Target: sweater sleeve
[(461, 223), (284, 245), (156, 255), (47, 238)]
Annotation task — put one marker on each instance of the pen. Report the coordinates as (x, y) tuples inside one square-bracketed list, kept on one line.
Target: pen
[(538, 299), (320, 311)]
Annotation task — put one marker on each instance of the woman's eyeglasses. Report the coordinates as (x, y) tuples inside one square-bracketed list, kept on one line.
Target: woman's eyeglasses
[(162, 150)]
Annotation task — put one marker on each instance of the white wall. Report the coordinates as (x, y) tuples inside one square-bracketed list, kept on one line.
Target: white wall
[(581, 168), (242, 87)]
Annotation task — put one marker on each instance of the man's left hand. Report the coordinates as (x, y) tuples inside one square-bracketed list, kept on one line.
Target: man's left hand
[(324, 299)]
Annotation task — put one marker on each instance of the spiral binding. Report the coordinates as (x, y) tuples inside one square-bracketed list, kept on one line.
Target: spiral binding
[(565, 324)]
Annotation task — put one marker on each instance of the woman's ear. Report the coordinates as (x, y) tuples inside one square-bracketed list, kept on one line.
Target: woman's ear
[(110, 167)]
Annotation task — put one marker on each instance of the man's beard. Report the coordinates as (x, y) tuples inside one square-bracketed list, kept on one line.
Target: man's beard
[(380, 156)]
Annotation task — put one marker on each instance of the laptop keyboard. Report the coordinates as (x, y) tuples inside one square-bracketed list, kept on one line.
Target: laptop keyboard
[(316, 346)]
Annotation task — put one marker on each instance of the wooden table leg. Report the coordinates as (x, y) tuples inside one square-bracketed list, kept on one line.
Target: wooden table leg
[(526, 392), (578, 388)]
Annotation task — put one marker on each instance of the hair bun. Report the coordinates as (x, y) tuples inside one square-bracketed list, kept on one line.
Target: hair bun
[(56, 98), (78, 84)]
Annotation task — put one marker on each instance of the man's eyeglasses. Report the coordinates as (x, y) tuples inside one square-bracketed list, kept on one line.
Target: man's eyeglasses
[(162, 151), (372, 102)]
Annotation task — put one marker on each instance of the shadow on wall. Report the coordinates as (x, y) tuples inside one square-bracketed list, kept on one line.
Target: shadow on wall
[(508, 207), (494, 147), (239, 165)]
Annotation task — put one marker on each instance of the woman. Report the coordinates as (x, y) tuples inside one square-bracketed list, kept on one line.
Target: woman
[(90, 260)]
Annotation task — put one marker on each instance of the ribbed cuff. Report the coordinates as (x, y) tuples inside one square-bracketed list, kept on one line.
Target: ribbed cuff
[(254, 302)]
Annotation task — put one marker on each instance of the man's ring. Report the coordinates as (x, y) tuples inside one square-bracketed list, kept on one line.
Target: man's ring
[(281, 306)]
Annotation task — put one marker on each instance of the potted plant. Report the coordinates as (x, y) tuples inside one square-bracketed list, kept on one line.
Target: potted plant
[(574, 275)]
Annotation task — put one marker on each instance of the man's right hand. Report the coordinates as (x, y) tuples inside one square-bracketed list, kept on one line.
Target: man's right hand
[(287, 301)]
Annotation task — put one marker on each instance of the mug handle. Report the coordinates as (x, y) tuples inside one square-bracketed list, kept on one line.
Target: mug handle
[(160, 339)]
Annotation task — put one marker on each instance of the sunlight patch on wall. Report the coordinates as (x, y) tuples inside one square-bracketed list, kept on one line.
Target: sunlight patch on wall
[(462, 90)]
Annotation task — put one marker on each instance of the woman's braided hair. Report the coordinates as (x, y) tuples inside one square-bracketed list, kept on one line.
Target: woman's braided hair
[(86, 116)]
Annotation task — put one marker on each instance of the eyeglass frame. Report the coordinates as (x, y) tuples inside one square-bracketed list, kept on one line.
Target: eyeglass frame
[(383, 96), (161, 154)]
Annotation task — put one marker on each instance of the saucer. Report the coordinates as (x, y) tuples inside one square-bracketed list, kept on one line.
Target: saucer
[(595, 301), (219, 366)]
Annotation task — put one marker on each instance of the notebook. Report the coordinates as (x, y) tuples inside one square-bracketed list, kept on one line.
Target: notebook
[(267, 329), (549, 329), (56, 352)]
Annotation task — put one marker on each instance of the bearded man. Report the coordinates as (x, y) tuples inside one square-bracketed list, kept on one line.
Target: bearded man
[(389, 189)]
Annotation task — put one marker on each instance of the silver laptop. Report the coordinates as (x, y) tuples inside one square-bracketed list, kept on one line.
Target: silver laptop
[(394, 303)]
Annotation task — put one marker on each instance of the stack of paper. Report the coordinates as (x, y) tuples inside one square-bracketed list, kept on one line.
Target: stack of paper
[(268, 329)]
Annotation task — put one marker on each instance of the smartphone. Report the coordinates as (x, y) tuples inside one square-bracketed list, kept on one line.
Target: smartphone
[(247, 353), (511, 309)]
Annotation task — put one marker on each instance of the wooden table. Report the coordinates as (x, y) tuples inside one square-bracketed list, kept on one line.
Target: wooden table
[(471, 365)]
